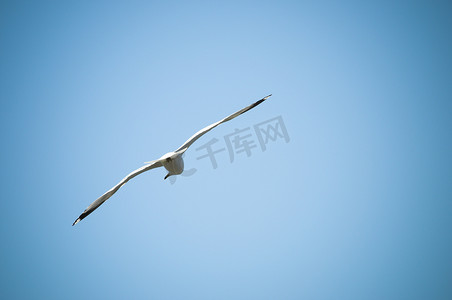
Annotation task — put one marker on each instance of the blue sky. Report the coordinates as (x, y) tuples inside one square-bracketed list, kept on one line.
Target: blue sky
[(356, 205)]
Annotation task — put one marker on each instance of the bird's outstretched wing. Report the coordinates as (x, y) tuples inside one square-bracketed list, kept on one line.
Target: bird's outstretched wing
[(104, 197), (200, 133)]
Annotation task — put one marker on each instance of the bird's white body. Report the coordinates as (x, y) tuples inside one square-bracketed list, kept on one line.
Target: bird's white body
[(172, 161)]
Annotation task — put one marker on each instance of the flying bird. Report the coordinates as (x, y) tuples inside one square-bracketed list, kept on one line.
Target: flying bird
[(172, 161)]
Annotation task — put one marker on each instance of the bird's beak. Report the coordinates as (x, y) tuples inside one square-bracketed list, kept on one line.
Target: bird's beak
[(167, 175)]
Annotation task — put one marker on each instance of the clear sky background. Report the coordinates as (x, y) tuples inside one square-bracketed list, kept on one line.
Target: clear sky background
[(357, 205)]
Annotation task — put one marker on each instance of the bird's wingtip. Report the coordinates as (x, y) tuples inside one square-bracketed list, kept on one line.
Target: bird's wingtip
[(265, 98), (76, 221)]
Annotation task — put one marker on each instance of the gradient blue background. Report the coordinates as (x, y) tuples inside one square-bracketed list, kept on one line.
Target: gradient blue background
[(356, 206)]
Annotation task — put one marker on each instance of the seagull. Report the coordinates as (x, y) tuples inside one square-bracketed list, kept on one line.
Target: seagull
[(172, 161)]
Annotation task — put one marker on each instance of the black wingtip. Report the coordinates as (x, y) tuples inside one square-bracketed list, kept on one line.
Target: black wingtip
[(259, 101), (76, 221), (81, 217)]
